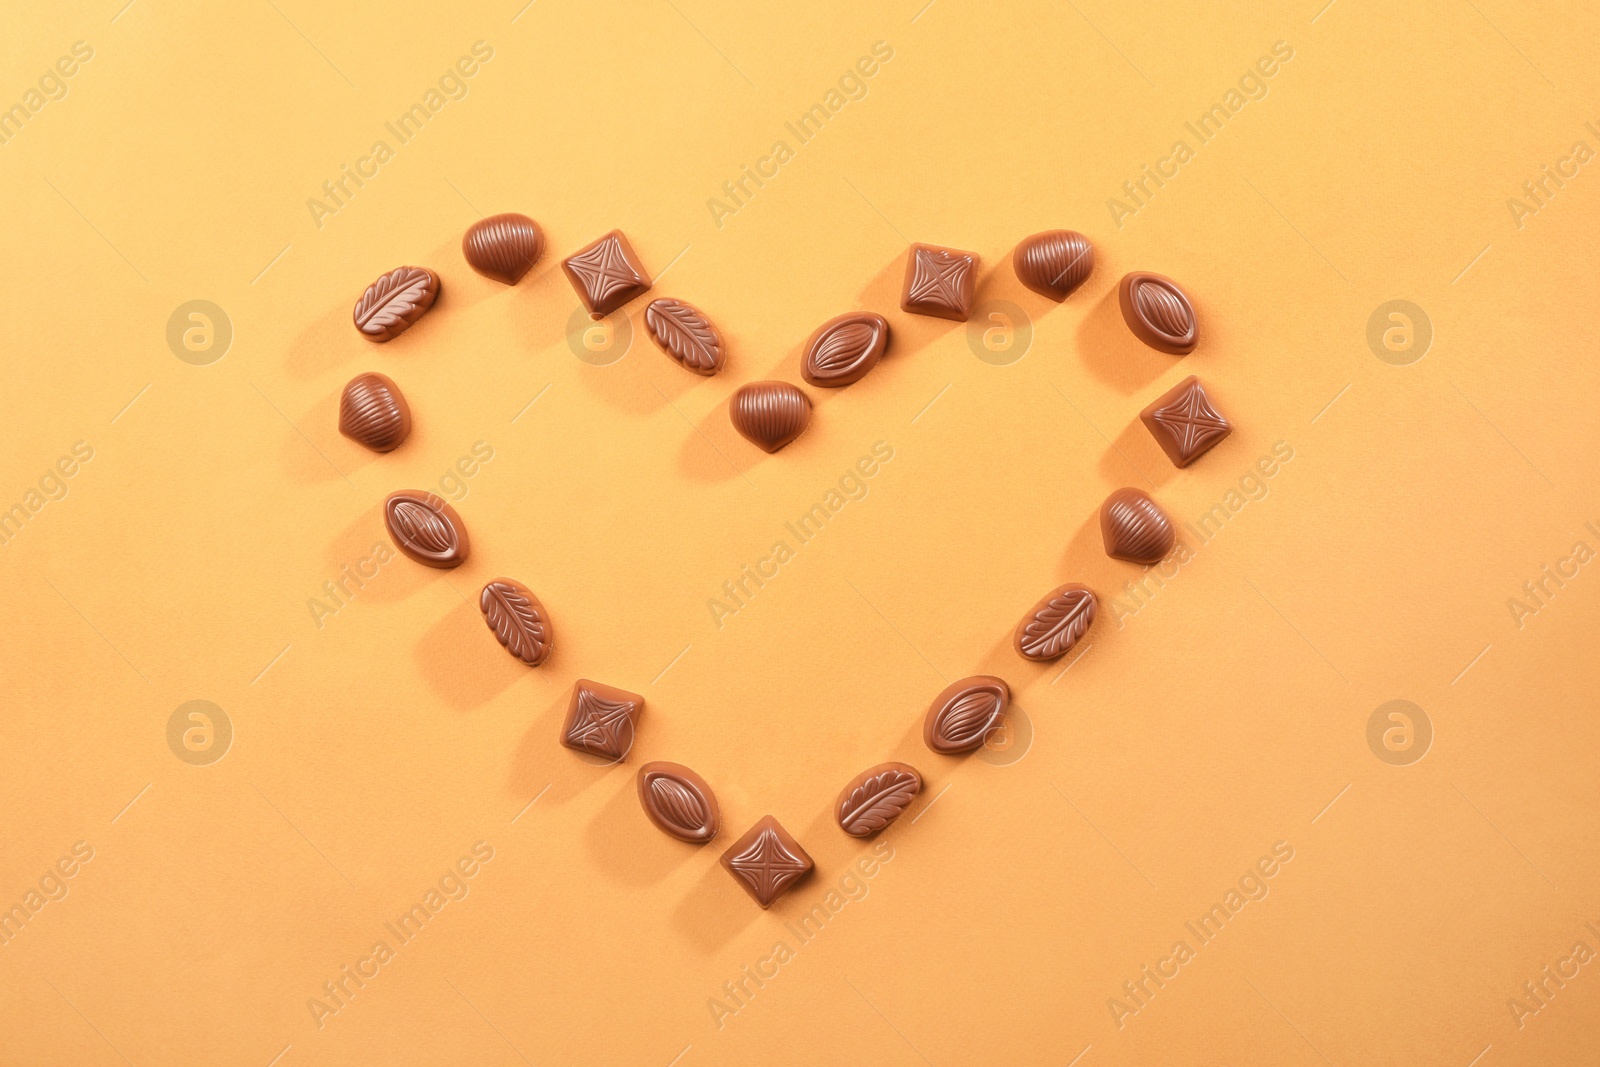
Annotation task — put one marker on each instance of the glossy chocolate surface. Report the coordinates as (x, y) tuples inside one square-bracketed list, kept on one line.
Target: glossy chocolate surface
[(517, 619), (1185, 423), (601, 719), (1054, 263), (373, 412), (394, 302), (426, 529), (939, 282), (965, 713), (1055, 624), (1135, 528), (1158, 313), (679, 802), (767, 861), (606, 274), (844, 349), (682, 332), (876, 797), (770, 414), (503, 247)]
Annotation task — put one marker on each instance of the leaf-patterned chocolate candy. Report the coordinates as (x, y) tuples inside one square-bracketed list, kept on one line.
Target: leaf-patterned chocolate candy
[(518, 620), (426, 528), (876, 797), (601, 720), (679, 802), (503, 247), (685, 335), (1055, 624), (1135, 528), (392, 303), (770, 414), (1158, 313), (843, 349), (965, 713), (1054, 263), (373, 412)]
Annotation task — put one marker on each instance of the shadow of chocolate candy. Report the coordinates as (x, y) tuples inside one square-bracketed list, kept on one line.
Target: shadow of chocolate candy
[(1111, 351), (463, 663), (624, 844)]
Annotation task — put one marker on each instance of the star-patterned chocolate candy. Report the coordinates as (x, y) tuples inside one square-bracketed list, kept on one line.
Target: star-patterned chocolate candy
[(1185, 423), (766, 861), (606, 274), (601, 720), (939, 282)]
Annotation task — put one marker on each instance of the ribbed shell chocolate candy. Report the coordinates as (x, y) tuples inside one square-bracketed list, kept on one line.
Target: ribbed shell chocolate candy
[(1054, 263), (503, 247), (394, 302), (373, 412), (1158, 313), (770, 414), (844, 349), (426, 529), (679, 802), (1135, 528), (965, 713), (1055, 624)]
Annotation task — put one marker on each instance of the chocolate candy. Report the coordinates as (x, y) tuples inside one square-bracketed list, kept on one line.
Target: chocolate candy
[(606, 274), (1158, 313), (939, 282), (601, 720), (685, 335), (965, 713), (517, 618), (679, 802), (876, 797), (392, 303), (503, 247), (1185, 423), (427, 529), (770, 414), (766, 861), (843, 349), (1055, 624), (373, 412), (1134, 528), (1054, 263)]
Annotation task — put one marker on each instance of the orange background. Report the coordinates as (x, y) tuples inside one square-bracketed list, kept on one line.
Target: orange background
[(1227, 714)]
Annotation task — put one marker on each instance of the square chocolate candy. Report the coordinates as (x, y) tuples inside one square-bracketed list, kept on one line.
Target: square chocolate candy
[(606, 274), (1185, 423), (766, 861), (939, 282)]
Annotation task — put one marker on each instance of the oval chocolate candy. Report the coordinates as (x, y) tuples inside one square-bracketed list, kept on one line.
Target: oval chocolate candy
[(1158, 313), (686, 335), (517, 619), (426, 528), (503, 247), (1055, 624), (844, 349), (678, 801), (1135, 528), (876, 797), (1054, 263), (770, 414), (965, 713), (394, 302), (373, 412)]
